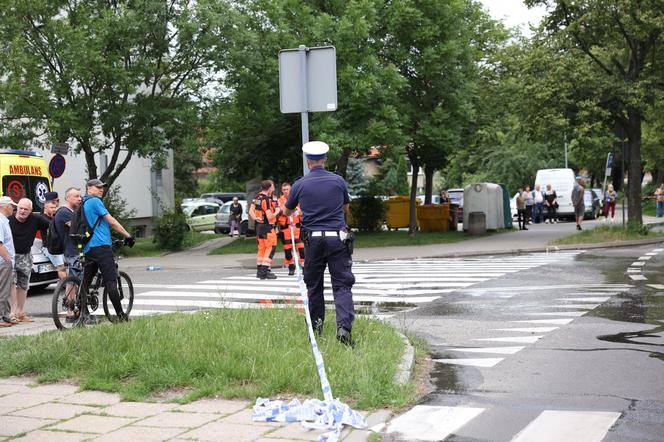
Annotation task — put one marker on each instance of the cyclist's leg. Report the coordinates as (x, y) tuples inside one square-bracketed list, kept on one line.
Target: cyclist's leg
[(109, 272)]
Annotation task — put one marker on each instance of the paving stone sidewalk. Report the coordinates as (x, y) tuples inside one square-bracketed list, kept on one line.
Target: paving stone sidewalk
[(61, 412)]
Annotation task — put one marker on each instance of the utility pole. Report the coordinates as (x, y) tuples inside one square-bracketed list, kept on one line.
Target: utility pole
[(565, 137)]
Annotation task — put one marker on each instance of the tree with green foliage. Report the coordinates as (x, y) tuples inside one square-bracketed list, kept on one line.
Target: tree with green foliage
[(120, 78), (430, 43), (621, 39), (357, 182), (402, 177), (252, 136)]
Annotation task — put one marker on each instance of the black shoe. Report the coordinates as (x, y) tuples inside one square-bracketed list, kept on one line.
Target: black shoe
[(525, 228), (73, 319), (318, 328), (291, 270), (122, 317), (578, 227), (267, 274), (259, 272), (89, 320), (345, 337)]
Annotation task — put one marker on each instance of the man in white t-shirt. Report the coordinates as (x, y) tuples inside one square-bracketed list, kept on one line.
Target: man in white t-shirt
[(538, 215)]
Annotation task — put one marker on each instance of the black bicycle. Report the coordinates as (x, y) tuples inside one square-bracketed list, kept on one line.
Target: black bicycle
[(72, 308)]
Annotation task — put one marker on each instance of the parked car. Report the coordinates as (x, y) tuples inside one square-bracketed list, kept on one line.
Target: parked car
[(223, 196), (592, 204), (222, 223), (200, 215), (456, 197)]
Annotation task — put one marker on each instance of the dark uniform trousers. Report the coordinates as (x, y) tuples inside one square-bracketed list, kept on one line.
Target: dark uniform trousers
[(330, 251)]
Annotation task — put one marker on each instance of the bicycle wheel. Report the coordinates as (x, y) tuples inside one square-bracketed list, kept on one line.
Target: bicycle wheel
[(65, 305), (126, 290)]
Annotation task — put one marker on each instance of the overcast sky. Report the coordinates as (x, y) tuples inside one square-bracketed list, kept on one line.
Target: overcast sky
[(514, 13)]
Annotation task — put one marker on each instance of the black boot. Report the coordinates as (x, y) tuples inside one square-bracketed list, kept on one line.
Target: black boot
[(258, 272), (345, 337), (291, 269), (269, 274)]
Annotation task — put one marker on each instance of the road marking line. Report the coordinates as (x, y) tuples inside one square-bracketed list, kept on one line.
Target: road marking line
[(479, 362), (493, 350), (645, 258), (634, 270), (589, 299), (651, 254), (588, 306), (657, 286), (424, 422), (547, 321), (637, 264), (258, 296), (557, 425), (638, 277), (658, 250), (519, 339), (557, 314), (528, 329)]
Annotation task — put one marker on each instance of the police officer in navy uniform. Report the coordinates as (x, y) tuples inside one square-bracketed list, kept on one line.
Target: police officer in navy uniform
[(323, 199)]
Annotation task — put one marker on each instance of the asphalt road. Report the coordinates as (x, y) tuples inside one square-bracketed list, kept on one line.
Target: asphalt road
[(555, 352)]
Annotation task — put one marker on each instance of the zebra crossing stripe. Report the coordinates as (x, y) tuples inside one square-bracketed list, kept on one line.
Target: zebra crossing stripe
[(259, 296), (588, 306), (638, 277), (529, 329), (645, 258), (518, 339), (492, 350), (656, 286), (546, 321), (586, 299), (559, 425), (478, 362), (557, 313), (425, 422)]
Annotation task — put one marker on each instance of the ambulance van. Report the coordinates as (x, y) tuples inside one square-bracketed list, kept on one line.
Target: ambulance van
[(24, 174)]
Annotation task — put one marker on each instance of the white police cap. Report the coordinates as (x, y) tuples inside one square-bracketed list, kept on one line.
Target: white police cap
[(315, 150)]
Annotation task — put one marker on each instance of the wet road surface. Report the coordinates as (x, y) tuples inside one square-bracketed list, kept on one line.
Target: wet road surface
[(569, 350)]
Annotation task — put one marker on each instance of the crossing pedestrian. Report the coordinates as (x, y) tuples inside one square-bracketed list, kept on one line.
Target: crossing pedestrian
[(324, 200)]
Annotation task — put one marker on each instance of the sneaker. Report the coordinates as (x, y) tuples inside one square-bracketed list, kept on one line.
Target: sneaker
[(578, 227), (89, 320), (71, 319)]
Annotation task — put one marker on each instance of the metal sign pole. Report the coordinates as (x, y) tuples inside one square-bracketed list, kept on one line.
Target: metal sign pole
[(305, 105)]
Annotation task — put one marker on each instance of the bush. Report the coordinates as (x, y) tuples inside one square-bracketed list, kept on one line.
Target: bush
[(367, 213), (171, 229)]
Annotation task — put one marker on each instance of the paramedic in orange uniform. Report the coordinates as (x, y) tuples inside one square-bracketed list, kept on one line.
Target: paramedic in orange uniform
[(264, 211), (284, 227)]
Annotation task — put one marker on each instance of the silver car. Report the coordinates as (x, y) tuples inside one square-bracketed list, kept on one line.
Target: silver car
[(222, 223)]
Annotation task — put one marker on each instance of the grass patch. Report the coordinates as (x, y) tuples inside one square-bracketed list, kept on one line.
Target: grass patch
[(146, 246), (233, 353), (649, 207), (362, 240), (608, 234)]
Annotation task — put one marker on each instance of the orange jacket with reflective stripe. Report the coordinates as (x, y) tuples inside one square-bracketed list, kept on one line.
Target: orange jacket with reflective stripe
[(283, 219), (264, 207)]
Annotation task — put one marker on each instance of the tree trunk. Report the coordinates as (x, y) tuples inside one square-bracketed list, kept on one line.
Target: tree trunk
[(428, 183), (634, 167), (412, 227), (89, 159)]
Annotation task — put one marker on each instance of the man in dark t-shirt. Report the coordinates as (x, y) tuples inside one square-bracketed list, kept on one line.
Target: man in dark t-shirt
[(62, 221), (24, 225)]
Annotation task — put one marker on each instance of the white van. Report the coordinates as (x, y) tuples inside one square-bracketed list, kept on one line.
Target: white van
[(562, 181)]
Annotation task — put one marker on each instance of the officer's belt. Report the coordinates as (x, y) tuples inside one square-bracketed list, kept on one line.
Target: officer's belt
[(324, 233)]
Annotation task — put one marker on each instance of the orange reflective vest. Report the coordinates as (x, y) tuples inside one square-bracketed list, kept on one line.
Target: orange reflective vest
[(284, 220), (264, 208)]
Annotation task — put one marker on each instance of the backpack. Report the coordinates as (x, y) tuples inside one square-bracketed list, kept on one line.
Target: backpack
[(54, 243), (80, 231)]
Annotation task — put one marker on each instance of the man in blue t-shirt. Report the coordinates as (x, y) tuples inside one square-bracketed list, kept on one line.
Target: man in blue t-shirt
[(323, 199), (98, 251)]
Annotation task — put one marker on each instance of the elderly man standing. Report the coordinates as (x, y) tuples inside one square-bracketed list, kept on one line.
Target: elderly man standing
[(24, 225), (578, 201), (6, 260)]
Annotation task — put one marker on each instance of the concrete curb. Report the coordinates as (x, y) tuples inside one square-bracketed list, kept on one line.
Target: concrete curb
[(405, 368)]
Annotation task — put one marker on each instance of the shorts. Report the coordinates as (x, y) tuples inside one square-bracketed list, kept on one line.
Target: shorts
[(56, 260), (69, 262), (22, 270), (579, 210)]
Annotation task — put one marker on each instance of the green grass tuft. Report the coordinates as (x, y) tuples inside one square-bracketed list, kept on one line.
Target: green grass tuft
[(608, 233), (146, 246), (232, 353)]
